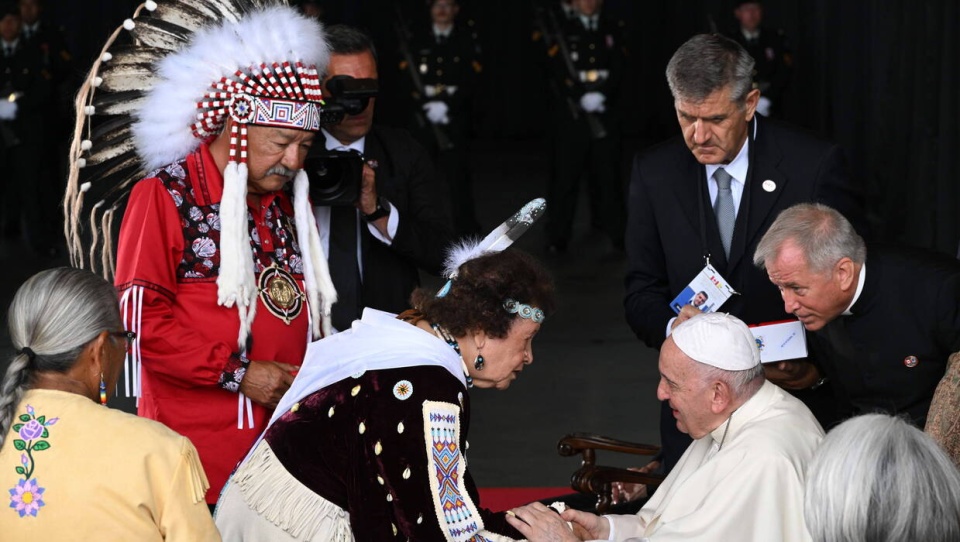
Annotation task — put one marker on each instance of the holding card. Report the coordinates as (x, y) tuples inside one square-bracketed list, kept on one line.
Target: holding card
[(707, 292)]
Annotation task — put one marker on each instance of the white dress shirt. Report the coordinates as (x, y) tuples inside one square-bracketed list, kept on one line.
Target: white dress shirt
[(322, 212)]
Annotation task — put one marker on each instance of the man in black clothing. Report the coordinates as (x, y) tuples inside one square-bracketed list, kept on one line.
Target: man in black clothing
[(882, 321), (400, 222)]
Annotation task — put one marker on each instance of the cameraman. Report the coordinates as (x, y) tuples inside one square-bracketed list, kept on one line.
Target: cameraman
[(400, 221)]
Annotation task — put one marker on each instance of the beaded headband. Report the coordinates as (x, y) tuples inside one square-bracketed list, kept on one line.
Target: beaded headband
[(279, 95), (523, 310)]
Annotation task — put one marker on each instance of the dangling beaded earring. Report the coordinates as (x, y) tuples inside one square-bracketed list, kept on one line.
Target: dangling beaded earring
[(103, 391), (478, 363)]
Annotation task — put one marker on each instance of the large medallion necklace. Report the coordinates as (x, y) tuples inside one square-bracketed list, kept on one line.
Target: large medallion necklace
[(279, 291)]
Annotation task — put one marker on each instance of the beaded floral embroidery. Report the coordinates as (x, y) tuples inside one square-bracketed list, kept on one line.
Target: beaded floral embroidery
[(26, 497)]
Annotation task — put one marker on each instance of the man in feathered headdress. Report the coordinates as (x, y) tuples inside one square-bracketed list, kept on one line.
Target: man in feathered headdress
[(220, 268)]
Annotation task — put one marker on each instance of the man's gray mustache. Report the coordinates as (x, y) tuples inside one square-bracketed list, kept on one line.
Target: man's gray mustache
[(282, 171)]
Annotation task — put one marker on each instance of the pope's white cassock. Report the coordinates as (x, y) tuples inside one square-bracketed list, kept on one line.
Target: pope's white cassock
[(750, 489)]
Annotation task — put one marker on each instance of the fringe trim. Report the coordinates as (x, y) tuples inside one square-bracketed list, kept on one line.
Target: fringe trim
[(316, 272), (270, 490), (244, 404), (198, 479), (131, 312)]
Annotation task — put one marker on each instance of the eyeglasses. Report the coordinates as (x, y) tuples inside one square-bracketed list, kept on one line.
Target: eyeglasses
[(130, 336)]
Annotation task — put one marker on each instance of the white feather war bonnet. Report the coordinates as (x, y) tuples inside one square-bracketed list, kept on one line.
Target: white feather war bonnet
[(150, 100)]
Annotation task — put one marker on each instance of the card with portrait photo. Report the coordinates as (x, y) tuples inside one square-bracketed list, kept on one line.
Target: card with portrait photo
[(707, 291)]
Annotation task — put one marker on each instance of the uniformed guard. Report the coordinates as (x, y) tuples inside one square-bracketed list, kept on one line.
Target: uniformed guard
[(586, 58), (26, 99), (443, 67), (770, 51)]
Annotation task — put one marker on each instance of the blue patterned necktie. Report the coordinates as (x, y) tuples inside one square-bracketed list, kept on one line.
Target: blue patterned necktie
[(723, 208)]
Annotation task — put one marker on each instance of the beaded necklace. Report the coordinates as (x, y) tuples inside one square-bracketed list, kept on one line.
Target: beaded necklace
[(445, 336)]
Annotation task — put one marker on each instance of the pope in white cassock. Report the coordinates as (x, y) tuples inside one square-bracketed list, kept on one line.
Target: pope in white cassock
[(741, 479)]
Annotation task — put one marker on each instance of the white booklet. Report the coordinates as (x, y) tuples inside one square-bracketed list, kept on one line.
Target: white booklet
[(707, 292), (779, 341)]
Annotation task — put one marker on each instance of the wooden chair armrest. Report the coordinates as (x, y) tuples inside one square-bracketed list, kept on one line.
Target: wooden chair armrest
[(582, 443), (598, 480)]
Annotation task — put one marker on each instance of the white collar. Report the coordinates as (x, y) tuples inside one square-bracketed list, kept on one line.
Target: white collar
[(726, 432), (750, 35), (738, 167), (334, 144), (10, 44), (856, 296), (437, 32)]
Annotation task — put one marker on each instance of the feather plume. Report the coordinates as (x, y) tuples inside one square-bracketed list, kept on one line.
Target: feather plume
[(499, 239)]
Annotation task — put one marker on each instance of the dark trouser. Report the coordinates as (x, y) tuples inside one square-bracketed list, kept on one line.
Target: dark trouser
[(453, 167), (577, 155)]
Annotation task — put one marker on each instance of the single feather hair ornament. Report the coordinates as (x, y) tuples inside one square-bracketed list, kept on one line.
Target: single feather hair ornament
[(496, 241)]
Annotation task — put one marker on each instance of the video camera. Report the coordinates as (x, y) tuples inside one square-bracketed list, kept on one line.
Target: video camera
[(348, 96), (336, 176)]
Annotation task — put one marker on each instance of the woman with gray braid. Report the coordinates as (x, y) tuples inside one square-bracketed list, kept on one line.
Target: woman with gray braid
[(73, 468)]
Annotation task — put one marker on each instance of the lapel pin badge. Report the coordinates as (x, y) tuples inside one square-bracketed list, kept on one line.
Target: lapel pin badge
[(911, 361), (769, 186)]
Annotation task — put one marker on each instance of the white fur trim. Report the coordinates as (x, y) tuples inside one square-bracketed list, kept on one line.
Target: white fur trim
[(162, 132), (321, 294), (236, 284)]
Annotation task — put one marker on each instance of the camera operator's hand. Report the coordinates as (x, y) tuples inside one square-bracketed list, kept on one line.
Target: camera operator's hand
[(367, 204)]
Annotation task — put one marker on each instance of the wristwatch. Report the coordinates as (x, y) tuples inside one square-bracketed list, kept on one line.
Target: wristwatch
[(382, 210)]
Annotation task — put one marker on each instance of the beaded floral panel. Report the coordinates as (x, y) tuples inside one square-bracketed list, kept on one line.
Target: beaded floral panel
[(30, 437)]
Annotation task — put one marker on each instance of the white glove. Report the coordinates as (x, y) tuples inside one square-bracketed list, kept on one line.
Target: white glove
[(437, 112), (8, 110), (764, 105), (592, 102)]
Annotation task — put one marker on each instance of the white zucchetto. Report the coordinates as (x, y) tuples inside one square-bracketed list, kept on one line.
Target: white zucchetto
[(718, 339)]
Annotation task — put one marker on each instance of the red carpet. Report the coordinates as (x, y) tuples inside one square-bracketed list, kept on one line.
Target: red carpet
[(499, 499)]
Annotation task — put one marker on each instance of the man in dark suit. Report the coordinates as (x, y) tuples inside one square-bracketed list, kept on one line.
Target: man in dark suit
[(882, 337), (711, 194), (400, 222)]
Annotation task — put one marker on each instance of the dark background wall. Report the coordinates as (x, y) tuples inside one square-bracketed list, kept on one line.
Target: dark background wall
[(879, 77)]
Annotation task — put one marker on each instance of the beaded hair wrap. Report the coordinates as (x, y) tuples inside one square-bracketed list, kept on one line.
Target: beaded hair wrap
[(523, 310)]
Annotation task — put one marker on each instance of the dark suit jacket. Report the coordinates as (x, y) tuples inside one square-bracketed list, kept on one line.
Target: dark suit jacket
[(909, 306), (663, 239), (406, 178)]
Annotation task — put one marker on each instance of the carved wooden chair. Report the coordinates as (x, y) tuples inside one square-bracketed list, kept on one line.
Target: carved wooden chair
[(597, 480)]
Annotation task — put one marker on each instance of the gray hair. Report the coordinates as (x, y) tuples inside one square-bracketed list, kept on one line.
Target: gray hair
[(55, 314), (743, 383), (821, 233), (877, 478), (707, 63)]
